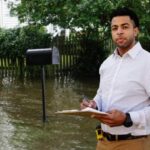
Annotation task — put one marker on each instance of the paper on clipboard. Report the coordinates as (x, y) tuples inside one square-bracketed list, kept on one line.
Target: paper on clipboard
[(87, 112)]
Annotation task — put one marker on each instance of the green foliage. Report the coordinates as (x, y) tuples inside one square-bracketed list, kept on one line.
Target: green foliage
[(92, 55), (8, 43), (14, 42), (87, 14), (90, 15), (145, 42)]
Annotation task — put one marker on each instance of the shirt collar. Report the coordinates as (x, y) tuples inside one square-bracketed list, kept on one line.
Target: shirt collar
[(133, 51)]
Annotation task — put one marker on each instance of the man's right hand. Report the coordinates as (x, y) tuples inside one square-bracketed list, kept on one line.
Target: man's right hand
[(86, 103)]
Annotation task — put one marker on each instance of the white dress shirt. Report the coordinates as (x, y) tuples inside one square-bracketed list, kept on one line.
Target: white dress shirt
[(125, 85)]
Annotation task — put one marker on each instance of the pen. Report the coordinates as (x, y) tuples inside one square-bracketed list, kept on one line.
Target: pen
[(85, 98)]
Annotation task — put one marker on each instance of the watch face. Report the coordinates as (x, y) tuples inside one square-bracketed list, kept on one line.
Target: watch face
[(128, 122)]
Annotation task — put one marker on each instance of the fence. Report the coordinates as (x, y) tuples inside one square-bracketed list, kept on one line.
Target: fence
[(69, 53), (69, 49), (9, 66)]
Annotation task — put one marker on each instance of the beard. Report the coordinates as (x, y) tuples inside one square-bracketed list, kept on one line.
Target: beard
[(123, 43)]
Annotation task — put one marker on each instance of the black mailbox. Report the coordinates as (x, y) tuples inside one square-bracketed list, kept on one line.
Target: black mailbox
[(43, 56)]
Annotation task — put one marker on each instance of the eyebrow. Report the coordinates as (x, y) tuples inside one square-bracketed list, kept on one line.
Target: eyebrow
[(121, 24)]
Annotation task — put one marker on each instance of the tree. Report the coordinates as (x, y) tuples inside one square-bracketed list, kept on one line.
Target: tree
[(91, 16)]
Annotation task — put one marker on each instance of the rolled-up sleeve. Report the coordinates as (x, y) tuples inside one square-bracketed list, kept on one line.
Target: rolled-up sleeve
[(141, 118), (98, 96), (98, 99)]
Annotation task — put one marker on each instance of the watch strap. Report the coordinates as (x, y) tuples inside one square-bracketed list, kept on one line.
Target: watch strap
[(128, 121)]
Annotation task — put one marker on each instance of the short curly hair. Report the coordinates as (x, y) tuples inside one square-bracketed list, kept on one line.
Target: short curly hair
[(124, 11)]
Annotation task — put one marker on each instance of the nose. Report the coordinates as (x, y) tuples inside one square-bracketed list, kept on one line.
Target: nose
[(119, 31)]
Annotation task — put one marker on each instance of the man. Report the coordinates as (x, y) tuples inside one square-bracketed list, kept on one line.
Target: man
[(124, 88)]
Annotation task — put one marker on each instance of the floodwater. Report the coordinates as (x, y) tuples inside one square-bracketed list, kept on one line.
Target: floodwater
[(21, 125)]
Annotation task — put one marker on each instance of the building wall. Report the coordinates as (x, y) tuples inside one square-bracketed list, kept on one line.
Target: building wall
[(7, 21)]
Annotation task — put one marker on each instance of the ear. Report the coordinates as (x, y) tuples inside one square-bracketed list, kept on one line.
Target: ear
[(136, 31)]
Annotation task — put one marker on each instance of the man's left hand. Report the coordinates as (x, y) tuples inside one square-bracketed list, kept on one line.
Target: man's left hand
[(112, 119)]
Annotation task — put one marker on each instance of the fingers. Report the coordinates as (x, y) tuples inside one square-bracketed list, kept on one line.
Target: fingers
[(92, 104), (86, 103), (102, 117), (113, 118), (105, 120)]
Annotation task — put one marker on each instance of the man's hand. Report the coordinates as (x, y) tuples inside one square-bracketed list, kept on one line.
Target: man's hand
[(112, 119), (88, 103)]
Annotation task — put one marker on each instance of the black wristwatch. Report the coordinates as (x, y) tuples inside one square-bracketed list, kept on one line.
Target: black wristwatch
[(128, 122)]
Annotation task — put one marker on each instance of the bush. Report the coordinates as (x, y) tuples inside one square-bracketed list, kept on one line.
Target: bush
[(90, 58), (15, 42), (145, 42)]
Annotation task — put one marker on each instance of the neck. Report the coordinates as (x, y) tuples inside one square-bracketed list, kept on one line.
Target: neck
[(122, 50)]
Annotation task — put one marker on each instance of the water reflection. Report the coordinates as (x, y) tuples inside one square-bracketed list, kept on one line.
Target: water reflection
[(21, 126)]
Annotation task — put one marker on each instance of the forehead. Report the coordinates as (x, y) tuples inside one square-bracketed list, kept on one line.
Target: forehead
[(119, 20)]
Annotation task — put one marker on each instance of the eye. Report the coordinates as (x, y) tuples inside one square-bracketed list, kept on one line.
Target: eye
[(125, 27), (114, 28)]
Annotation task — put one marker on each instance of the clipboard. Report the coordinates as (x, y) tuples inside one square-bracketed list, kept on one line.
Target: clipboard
[(87, 112)]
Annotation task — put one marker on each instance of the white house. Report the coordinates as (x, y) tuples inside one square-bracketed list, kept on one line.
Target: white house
[(6, 20)]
